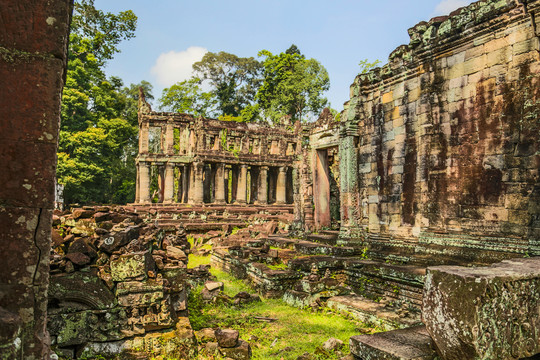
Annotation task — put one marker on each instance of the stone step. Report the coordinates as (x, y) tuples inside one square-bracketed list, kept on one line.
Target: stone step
[(413, 343), (313, 248), (327, 239), (376, 313), (330, 232)]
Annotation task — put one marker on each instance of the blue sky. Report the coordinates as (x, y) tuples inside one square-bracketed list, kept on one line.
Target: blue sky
[(172, 34)]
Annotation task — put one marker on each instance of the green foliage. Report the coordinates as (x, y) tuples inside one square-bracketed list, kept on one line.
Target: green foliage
[(292, 85), (103, 31), (98, 138), (234, 80), (365, 65), (187, 97)]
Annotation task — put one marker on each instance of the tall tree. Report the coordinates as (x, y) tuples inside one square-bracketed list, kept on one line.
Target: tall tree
[(234, 80), (188, 97), (99, 128), (292, 85)]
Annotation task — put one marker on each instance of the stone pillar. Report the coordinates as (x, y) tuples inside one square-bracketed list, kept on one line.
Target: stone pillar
[(169, 140), (220, 184), (137, 185), (144, 183), (168, 191), (143, 137), (281, 186), (348, 169), (197, 187), (241, 194), (262, 196), (34, 38), (185, 184)]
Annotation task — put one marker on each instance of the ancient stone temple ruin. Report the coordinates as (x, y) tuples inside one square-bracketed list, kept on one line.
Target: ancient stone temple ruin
[(419, 210), (200, 160)]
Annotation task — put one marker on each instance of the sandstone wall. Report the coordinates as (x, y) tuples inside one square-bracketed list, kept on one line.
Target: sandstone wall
[(440, 150), (33, 45)]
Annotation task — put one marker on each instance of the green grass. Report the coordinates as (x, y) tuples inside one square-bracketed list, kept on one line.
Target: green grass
[(296, 330)]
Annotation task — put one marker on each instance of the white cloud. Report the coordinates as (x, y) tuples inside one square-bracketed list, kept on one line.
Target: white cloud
[(445, 7), (174, 66)]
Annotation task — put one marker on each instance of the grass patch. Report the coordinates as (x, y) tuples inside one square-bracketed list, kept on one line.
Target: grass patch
[(295, 331)]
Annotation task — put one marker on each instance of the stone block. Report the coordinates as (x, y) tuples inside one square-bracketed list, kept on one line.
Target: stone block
[(140, 293), (133, 266), (387, 97), (242, 351), (499, 56), (82, 287), (227, 338), (404, 344), (116, 239), (485, 312)]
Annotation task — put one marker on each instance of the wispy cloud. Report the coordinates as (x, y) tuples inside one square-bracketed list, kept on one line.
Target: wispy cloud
[(174, 66), (445, 7)]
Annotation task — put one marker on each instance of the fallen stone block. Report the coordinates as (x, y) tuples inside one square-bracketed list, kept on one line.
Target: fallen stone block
[(132, 266), (226, 338), (484, 312), (242, 351)]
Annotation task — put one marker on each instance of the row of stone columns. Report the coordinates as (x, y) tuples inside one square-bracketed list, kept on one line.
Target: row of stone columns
[(192, 184)]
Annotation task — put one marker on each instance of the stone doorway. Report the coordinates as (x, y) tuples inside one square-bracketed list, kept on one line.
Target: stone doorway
[(326, 191)]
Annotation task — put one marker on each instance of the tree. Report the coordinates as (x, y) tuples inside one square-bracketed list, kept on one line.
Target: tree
[(103, 31), (292, 85), (98, 137), (235, 80), (187, 97)]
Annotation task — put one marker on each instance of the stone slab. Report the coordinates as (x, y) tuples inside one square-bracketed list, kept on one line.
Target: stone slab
[(404, 344)]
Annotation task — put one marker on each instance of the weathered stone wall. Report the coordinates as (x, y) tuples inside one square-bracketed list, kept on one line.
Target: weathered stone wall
[(33, 46), (439, 148)]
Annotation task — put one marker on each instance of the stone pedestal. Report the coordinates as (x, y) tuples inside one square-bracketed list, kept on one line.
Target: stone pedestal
[(281, 186), (144, 182), (219, 184), (241, 195)]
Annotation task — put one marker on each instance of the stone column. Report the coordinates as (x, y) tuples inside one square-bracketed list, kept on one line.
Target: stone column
[(168, 192), (262, 196), (348, 169), (143, 138), (219, 183), (137, 185), (198, 189), (241, 194), (169, 140), (281, 186), (144, 183)]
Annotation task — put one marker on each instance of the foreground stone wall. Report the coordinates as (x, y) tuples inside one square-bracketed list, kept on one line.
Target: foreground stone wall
[(33, 46), (439, 151)]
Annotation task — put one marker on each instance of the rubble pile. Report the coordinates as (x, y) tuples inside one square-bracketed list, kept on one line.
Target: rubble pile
[(118, 285)]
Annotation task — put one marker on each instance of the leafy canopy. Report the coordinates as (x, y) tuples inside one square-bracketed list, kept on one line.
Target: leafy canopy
[(292, 85), (234, 80), (98, 137)]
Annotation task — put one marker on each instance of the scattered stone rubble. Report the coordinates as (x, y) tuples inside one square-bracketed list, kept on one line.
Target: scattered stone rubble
[(118, 285)]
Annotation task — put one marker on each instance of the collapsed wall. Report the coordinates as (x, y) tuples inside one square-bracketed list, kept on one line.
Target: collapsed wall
[(439, 148)]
